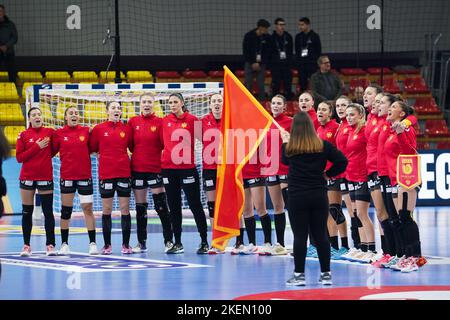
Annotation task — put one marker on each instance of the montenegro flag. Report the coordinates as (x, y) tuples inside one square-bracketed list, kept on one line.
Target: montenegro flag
[(243, 119)]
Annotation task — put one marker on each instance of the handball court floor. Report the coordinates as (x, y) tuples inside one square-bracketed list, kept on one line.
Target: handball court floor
[(157, 276)]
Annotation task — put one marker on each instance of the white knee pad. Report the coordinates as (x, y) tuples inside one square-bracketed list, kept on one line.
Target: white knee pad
[(86, 199)]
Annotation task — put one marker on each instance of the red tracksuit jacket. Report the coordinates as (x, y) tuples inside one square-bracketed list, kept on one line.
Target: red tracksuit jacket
[(36, 162), (210, 127), (111, 141), (185, 139), (328, 133), (356, 155), (285, 122), (72, 143), (146, 143), (341, 140), (372, 143)]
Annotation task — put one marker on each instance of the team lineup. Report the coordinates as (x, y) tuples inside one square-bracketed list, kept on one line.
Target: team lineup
[(357, 162)]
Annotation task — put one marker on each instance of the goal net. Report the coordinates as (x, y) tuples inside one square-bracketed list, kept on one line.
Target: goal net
[(91, 99)]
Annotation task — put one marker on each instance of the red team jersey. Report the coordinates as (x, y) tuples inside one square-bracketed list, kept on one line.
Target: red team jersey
[(72, 143), (372, 143), (210, 126), (36, 162), (146, 143), (111, 141), (285, 122), (342, 133), (396, 144), (172, 123), (371, 123), (356, 155), (313, 115), (327, 132)]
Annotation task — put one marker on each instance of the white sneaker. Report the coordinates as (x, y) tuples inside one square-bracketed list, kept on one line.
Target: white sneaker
[(350, 254), (279, 250), (410, 265), (368, 257), (64, 250), (357, 257), (377, 257), (51, 250), (168, 246), (26, 251), (265, 250), (237, 250), (250, 249), (93, 250), (401, 263)]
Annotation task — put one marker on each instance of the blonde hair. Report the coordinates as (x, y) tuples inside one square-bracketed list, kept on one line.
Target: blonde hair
[(361, 112)]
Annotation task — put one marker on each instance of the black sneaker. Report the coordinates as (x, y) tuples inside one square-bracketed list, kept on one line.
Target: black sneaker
[(203, 248), (325, 279), (177, 248)]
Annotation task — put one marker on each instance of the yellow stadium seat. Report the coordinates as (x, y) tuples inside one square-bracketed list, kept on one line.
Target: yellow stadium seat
[(111, 76), (84, 76), (8, 92), (12, 132), (57, 76), (139, 76), (29, 76), (25, 87), (4, 76), (11, 114), (94, 112), (157, 109)]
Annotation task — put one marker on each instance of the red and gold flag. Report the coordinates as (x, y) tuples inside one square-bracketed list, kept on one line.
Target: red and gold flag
[(408, 171)]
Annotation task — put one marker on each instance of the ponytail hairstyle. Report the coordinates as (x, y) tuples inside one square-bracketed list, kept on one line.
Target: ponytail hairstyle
[(362, 112), (181, 98), (408, 110)]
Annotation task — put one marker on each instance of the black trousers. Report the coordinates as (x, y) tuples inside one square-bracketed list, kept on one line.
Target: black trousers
[(305, 71), (9, 62), (281, 73), (187, 180), (308, 210)]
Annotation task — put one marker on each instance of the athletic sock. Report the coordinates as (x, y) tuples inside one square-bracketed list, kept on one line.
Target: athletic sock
[(334, 242), (125, 221), (384, 247), (266, 224), (344, 243), (91, 234), (106, 228), (250, 226), (240, 237), (371, 247), (27, 223), (364, 247), (47, 210), (65, 236), (280, 227)]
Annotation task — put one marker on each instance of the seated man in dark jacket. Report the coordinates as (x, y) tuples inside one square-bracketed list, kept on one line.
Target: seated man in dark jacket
[(325, 84)]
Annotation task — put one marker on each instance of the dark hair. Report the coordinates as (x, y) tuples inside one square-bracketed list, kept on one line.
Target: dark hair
[(281, 97), (2, 6), (408, 110), (278, 20), (305, 20), (304, 138), (65, 111), (393, 97), (331, 105), (320, 59), (5, 148), (263, 23), (180, 97), (31, 109), (378, 89), (110, 102)]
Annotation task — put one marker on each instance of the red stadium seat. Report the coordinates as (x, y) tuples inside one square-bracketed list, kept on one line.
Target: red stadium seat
[(239, 73), (167, 76), (358, 82), (443, 145), (436, 128), (423, 146), (426, 106), (216, 75), (390, 85), (353, 72), (292, 108), (377, 71), (419, 131), (415, 85), (191, 74)]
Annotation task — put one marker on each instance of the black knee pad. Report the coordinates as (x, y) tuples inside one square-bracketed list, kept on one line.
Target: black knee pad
[(211, 206), (27, 210), (160, 202), (336, 213), (141, 210), (66, 212)]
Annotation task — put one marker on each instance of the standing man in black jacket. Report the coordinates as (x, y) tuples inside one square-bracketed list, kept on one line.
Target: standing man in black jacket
[(257, 48), (282, 52), (8, 38), (307, 49)]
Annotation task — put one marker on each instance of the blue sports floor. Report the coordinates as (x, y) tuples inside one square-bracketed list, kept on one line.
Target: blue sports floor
[(156, 275)]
